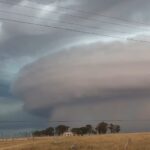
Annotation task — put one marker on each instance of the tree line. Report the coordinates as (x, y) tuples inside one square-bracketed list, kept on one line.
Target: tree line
[(101, 128)]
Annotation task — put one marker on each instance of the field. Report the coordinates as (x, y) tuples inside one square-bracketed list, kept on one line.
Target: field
[(138, 141)]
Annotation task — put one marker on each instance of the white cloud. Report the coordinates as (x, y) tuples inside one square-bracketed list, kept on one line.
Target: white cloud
[(46, 10)]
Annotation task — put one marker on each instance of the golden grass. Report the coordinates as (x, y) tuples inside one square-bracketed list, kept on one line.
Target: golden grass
[(139, 141)]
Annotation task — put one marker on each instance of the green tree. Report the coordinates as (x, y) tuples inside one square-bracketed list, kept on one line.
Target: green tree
[(117, 128), (61, 129), (89, 129), (102, 128), (49, 131), (80, 131), (83, 130), (111, 128), (114, 128), (76, 131)]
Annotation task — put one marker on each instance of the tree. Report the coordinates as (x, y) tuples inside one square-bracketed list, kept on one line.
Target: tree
[(49, 131), (102, 128), (111, 128), (61, 129), (76, 131), (80, 131), (89, 129), (83, 130), (114, 128), (117, 128)]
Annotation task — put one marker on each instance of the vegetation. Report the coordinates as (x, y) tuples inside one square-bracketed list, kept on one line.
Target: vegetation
[(47, 132), (135, 141), (61, 129), (88, 129), (101, 128), (114, 128)]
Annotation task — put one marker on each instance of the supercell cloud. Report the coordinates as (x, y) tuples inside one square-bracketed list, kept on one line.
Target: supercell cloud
[(56, 74), (94, 75)]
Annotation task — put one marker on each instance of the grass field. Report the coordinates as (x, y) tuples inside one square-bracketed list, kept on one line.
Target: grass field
[(138, 141)]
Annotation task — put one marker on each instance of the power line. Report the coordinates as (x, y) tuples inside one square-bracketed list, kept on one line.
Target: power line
[(72, 30), (50, 26), (102, 15), (75, 16), (60, 21), (92, 13)]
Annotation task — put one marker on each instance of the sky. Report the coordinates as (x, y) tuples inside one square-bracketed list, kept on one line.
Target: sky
[(74, 60)]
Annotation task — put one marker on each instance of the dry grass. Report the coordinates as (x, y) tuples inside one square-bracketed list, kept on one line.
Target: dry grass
[(137, 141)]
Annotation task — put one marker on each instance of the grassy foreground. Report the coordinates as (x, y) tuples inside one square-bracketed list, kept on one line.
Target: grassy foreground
[(138, 141)]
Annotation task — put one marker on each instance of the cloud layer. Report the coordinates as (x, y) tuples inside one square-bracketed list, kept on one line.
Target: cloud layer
[(93, 81), (57, 73)]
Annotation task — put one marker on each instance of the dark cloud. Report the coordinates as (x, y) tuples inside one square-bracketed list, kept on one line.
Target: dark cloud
[(5, 89)]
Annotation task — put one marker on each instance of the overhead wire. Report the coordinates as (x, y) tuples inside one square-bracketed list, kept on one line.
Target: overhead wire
[(72, 30), (74, 16), (102, 15), (61, 21)]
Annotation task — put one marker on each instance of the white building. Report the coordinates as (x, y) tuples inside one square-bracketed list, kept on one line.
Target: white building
[(68, 133)]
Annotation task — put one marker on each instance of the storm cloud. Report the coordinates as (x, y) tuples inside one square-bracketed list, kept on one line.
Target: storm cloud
[(93, 67), (93, 75)]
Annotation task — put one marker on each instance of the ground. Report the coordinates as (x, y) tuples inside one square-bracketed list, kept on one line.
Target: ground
[(136, 141)]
